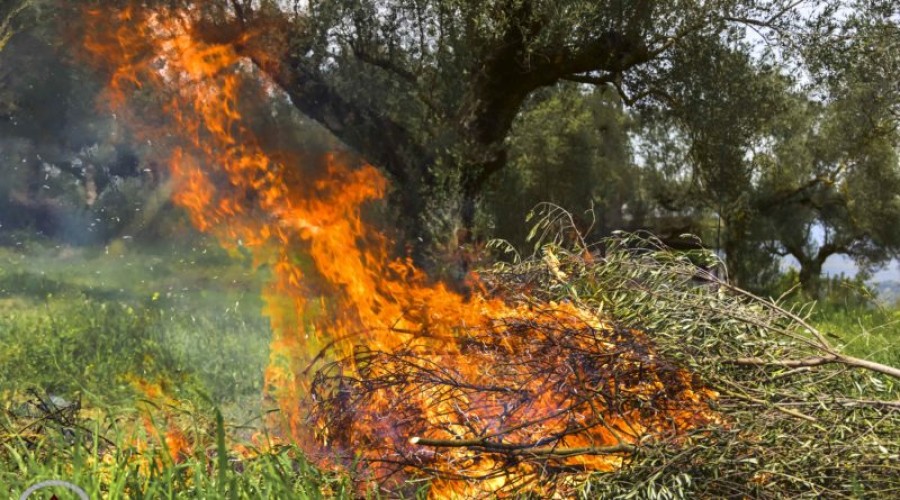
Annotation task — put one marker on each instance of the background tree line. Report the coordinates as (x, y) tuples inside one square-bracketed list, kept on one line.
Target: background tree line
[(767, 128)]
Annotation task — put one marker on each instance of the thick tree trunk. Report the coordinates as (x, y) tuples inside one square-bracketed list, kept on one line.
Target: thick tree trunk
[(811, 266), (810, 277)]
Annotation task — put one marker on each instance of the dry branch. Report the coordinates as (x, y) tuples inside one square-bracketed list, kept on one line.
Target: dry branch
[(535, 451)]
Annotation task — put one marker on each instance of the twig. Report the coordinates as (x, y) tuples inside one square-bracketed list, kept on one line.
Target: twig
[(787, 363), (768, 404), (548, 451)]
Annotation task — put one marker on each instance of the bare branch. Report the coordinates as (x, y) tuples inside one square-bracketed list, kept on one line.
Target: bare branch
[(787, 363), (537, 451), (592, 80)]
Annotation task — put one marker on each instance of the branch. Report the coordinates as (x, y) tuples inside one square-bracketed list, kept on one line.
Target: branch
[(379, 139), (786, 411), (822, 343), (829, 249), (592, 80), (543, 451), (613, 52), (788, 363), (239, 12), (766, 23), (385, 64), (797, 195)]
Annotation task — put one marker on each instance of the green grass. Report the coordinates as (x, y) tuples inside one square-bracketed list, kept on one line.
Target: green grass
[(84, 324), (120, 472), (82, 320), (852, 315), (871, 332)]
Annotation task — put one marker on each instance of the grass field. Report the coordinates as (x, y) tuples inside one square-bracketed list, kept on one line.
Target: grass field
[(149, 339), (869, 332), (101, 328)]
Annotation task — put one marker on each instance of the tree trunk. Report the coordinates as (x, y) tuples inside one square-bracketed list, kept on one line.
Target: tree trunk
[(810, 277), (502, 77)]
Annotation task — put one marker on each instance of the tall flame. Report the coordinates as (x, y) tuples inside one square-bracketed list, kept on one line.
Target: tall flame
[(419, 363)]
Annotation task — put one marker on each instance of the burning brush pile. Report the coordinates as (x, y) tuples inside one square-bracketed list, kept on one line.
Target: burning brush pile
[(517, 399), (574, 363)]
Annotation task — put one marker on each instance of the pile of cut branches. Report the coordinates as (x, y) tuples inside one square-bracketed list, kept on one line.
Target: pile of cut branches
[(804, 418), (685, 386)]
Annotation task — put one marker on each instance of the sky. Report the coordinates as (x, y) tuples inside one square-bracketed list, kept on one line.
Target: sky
[(837, 264)]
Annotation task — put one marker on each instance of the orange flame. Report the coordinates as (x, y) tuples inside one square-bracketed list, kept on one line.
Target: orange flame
[(335, 287), (175, 444)]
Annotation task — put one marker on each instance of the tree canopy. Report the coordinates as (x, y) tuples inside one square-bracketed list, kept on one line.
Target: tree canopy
[(429, 90), (767, 127)]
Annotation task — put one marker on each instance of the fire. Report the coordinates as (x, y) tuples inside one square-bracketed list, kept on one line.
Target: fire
[(370, 358), (170, 436)]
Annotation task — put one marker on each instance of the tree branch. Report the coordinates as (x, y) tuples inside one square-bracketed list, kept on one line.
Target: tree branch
[(765, 23), (542, 451), (787, 363), (379, 139), (384, 63), (591, 80), (833, 356)]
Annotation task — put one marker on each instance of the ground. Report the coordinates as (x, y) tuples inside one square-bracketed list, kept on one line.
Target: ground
[(115, 326)]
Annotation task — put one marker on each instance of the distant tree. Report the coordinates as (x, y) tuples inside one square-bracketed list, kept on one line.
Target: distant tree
[(65, 170), (782, 172), (829, 184), (829, 173), (720, 101), (569, 146)]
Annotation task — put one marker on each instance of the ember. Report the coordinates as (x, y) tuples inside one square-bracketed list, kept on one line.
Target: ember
[(371, 360)]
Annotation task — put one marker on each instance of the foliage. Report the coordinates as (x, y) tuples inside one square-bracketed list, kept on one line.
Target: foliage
[(828, 186), (721, 101), (784, 174), (569, 147), (429, 91), (795, 427)]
